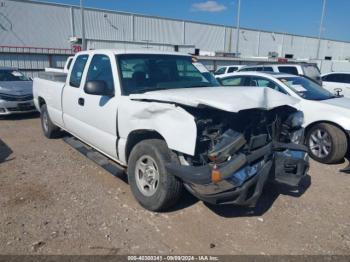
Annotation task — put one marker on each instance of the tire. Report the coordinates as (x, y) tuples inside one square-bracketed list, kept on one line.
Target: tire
[(49, 129), (147, 159), (330, 138)]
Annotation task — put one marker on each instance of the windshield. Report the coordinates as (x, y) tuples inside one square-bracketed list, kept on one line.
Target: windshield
[(306, 88), (12, 75), (141, 73)]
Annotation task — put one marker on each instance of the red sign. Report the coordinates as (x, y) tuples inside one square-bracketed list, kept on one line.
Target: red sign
[(76, 48)]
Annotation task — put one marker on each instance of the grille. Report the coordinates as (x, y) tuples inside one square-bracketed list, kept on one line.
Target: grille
[(16, 98), (21, 109)]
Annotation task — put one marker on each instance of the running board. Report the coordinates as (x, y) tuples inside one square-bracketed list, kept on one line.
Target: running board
[(100, 159)]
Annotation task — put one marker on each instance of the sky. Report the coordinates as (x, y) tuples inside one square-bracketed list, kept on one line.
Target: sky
[(300, 17)]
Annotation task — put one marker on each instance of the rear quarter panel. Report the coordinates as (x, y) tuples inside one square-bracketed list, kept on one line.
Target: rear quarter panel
[(51, 93)]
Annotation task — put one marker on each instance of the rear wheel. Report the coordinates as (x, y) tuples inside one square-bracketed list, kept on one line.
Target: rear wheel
[(327, 143), (151, 184), (49, 129)]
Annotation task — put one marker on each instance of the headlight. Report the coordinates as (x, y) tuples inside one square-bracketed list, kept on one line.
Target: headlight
[(296, 119)]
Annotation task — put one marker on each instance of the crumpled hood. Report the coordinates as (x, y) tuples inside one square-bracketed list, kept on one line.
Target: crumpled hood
[(231, 99), (16, 87)]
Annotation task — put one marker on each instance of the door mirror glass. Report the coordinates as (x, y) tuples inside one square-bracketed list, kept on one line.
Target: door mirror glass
[(98, 87)]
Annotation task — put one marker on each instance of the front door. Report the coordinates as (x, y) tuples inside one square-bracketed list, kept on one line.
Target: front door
[(99, 113)]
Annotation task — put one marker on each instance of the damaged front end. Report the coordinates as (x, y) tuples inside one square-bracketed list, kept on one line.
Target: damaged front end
[(237, 153)]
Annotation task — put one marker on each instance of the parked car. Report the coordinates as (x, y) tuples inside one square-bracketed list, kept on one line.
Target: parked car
[(61, 70), (158, 115), (16, 93), (337, 83), (227, 69), (309, 70), (327, 117)]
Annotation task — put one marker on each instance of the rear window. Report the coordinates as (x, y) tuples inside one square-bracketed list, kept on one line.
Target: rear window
[(288, 70), (337, 78)]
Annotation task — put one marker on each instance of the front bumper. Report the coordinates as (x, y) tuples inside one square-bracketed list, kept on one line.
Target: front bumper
[(243, 181), (16, 107)]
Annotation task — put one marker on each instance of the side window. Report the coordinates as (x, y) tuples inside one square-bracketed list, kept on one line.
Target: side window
[(248, 69), (220, 71), (288, 70), (347, 78), (233, 81), (77, 71), (232, 69), (69, 63), (337, 78), (263, 82), (100, 70), (267, 69)]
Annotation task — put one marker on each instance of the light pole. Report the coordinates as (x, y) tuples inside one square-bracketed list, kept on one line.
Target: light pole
[(238, 26), (321, 28), (83, 41)]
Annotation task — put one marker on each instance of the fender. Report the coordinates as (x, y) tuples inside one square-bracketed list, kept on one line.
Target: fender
[(172, 122)]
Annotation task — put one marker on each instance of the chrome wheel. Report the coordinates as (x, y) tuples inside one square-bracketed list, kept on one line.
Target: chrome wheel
[(320, 143), (45, 122), (147, 175)]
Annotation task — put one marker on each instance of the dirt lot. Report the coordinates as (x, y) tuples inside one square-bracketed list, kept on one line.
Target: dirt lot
[(53, 200)]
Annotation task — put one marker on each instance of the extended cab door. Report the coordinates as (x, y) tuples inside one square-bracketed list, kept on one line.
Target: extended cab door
[(71, 103), (98, 113)]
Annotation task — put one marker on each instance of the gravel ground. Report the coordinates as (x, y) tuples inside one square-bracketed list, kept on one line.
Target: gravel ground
[(53, 200)]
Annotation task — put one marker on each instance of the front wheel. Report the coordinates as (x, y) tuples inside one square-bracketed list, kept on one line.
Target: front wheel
[(153, 187), (327, 143)]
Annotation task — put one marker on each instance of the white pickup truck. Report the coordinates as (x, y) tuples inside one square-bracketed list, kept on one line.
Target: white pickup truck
[(164, 117)]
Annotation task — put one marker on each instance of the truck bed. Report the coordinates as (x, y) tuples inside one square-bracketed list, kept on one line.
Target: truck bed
[(49, 87), (54, 76)]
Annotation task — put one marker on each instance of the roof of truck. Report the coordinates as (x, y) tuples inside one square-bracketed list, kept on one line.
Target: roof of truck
[(132, 51)]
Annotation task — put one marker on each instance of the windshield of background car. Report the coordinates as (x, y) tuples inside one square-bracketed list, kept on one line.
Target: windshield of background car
[(306, 88), (12, 75), (141, 73)]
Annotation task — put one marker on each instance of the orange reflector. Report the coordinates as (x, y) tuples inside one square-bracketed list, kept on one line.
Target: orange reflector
[(215, 175)]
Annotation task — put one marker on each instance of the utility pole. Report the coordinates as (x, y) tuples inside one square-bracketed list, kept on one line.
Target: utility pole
[(83, 41), (238, 25), (321, 29)]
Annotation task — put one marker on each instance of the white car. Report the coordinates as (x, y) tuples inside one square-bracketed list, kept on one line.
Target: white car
[(165, 118), (222, 70), (327, 117), (309, 70), (337, 83)]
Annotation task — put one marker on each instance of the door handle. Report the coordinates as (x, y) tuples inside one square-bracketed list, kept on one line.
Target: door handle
[(81, 101)]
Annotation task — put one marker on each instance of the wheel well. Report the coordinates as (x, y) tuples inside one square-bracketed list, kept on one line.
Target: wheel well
[(41, 102), (326, 122), (136, 137)]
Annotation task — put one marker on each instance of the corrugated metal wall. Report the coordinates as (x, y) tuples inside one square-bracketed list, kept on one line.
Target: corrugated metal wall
[(30, 23)]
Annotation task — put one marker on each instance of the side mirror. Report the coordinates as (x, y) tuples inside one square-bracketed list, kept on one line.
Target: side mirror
[(98, 88)]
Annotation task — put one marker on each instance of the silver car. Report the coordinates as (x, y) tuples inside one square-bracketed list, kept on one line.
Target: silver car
[(16, 92)]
